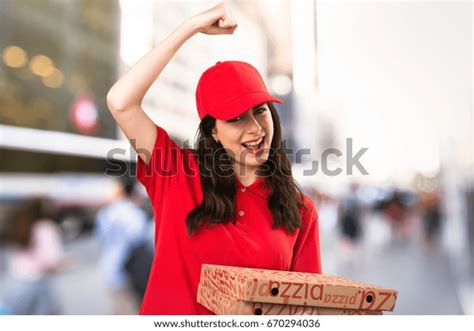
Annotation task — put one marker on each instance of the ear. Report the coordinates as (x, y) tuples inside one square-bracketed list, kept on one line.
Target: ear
[(214, 135)]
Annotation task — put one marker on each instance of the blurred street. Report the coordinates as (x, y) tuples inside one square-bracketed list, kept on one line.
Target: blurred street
[(80, 290), (424, 283)]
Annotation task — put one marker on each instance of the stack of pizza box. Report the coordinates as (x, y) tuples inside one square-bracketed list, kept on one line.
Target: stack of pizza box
[(227, 290)]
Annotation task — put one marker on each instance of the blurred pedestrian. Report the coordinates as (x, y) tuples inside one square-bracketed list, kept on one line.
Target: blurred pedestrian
[(431, 220), (397, 208), (125, 257), (349, 215), (34, 252)]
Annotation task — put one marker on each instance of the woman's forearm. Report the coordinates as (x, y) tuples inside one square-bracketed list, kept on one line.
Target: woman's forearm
[(131, 88)]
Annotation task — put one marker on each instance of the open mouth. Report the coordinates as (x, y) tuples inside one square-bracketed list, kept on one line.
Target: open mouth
[(254, 146)]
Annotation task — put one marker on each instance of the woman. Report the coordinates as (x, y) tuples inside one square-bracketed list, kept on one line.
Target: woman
[(232, 201)]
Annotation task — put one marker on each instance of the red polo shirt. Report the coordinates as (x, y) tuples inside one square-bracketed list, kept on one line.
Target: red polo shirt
[(174, 188)]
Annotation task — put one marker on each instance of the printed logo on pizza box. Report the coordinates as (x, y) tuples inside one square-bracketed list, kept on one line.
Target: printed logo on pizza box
[(305, 294)]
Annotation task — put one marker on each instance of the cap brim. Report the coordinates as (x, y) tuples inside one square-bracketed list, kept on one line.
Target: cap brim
[(241, 104)]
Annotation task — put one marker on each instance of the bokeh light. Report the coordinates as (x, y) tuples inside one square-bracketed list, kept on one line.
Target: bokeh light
[(14, 57)]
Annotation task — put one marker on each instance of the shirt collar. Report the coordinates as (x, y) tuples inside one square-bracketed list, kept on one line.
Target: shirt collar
[(259, 187)]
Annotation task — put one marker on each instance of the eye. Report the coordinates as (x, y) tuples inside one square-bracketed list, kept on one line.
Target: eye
[(260, 110), (235, 119)]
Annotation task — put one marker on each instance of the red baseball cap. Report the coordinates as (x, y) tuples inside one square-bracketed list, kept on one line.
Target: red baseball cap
[(229, 89)]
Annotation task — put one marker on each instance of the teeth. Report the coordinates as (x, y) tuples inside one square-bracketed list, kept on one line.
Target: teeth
[(255, 144)]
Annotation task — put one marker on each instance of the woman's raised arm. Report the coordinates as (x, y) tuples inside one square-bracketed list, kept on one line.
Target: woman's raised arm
[(125, 97)]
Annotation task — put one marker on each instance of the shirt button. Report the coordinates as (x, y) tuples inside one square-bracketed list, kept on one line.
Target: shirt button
[(243, 189), (241, 213)]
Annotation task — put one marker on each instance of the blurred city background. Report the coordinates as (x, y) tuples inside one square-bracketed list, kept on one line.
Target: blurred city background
[(394, 77)]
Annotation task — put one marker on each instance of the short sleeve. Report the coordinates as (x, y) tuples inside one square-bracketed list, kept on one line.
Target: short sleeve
[(163, 162), (306, 252), (168, 164)]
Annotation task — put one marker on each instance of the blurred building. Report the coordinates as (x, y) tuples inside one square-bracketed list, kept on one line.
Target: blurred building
[(57, 62), (55, 52)]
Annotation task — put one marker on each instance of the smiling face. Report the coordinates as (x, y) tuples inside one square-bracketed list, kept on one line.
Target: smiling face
[(247, 138)]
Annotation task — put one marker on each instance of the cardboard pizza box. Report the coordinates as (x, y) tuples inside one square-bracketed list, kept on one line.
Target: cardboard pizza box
[(222, 304), (296, 288)]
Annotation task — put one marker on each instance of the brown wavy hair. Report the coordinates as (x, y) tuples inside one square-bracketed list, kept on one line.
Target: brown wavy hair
[(219, 188)]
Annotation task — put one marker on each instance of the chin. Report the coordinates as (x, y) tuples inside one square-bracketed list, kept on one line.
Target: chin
[(254, 162)]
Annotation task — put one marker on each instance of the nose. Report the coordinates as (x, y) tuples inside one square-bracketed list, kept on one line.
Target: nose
[(254, 125)]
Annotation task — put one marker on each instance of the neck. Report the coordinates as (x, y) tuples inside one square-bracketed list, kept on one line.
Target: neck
[(246, 176)]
